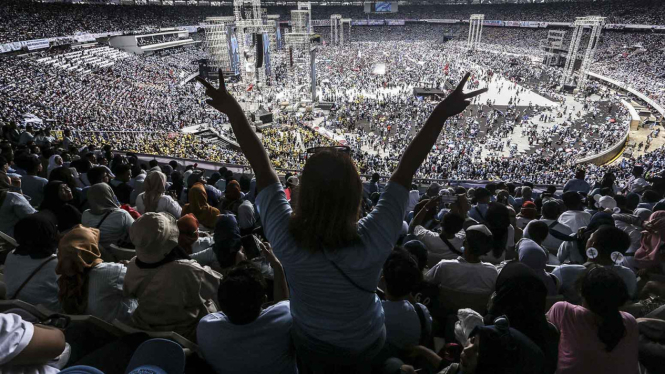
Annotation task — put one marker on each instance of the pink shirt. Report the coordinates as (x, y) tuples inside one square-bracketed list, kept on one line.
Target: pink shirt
[(580, 350)]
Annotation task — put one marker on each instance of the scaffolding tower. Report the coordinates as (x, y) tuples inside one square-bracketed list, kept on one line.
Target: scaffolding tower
[(251, 23), (301, 55), (335, 25), (475, 31), (341, 24), (217, 42), (596, 24), (306, 5)]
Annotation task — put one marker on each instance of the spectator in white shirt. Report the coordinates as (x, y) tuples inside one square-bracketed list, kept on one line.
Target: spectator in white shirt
[(13, 205), (574, 217), (105, 214), (153, 198), (637, 183), (530, 253), (28, 348), (574, 251), (467, 273), (414, 197)]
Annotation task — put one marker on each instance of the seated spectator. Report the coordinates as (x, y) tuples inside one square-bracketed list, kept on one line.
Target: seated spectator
[(637, 183), (153, 199), (577, 184), (228, 246), (648, 254), (173, 291), (54, 162), (137, 181), (418, 250), (198, 248), (477, 212), (496, 349), (574, 252), (254, 338), (528, 213), (87, 284), (105, 214), (527, 196), (57, 199), (557, 232), (13, 205), (499, 223), (65, 174), (29, 272), (405, 324), (29, 348), (198, 203), (32, 184), (530, 253), (232, 198), (597, 337), (467, 273), (574, 217), (520, 295), (246, 217), (120, 184), (606, 241)]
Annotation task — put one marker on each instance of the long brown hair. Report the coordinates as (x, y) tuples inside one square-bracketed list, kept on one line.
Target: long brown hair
[(327, 203)]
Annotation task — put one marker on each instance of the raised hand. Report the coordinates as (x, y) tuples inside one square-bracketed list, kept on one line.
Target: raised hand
[(220, 98), (457, 101)]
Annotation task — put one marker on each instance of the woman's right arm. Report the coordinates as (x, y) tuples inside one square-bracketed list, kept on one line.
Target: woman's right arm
[(257, 156)]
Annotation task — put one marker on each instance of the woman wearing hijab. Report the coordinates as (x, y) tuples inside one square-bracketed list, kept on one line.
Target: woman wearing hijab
[(520, 295), (198, 248), (198, 204), (228, 246), (535, 257), (87, 284), (653, 236), (66, 175), (153, 199), (57, 201), (13, 206), (105, 214), (54, 162), (232, 198), (34, 258)]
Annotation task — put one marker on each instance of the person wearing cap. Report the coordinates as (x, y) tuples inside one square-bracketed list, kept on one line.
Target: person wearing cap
[(574, 217), (173, 291), (578, 184), (467, 273), (440, 246), (478, 211), (557, 232)]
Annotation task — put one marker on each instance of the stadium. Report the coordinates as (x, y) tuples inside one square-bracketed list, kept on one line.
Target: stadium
[(209, 186)]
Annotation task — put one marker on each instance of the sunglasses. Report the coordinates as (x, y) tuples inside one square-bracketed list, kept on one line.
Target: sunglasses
[(337, 148)]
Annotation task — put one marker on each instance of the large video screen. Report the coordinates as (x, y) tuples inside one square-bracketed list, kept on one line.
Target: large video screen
[(381, 7)]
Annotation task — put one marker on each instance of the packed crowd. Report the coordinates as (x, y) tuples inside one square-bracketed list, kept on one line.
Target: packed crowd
[(26, 20), (321, 272)]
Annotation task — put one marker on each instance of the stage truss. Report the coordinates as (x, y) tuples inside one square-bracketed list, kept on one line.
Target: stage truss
[(596, 24), (217, 42), (475, 31), (552, 45), (301, 54)]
